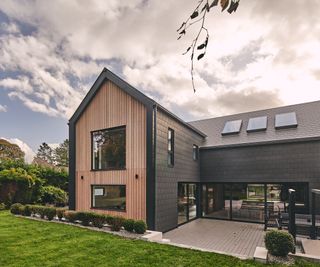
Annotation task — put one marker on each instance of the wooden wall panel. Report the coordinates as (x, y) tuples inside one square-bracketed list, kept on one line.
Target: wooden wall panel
[(112, 107)]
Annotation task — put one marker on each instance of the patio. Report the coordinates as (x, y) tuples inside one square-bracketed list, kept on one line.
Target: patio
[(228, 237)]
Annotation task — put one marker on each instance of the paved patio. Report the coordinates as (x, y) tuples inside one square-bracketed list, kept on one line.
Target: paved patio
[(228, 237)]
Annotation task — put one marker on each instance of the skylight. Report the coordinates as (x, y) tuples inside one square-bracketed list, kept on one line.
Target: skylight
[(286, 120), (257, 124), (232, 127)]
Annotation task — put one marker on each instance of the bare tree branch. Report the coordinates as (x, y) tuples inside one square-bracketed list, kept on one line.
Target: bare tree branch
[(202, 8)]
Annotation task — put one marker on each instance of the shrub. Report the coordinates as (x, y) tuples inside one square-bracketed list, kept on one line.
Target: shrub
[(140, 227), (109, 219), (129, 225), (40, 210), (50, 213), (16, 208), (117, 223), (279, 243), (85, 217), (98, 220), (2, 206), (53, 195), (70, 215), (60, 213), (17, 186), (27, 210)]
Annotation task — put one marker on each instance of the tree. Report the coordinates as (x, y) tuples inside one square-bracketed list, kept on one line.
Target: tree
[(61, 154), (45, 153), (10, 151), (203, 7)]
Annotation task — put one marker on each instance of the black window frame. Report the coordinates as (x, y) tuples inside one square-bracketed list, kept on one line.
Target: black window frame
[(125, 145), (170, 153), (195, 152), (107, 185)]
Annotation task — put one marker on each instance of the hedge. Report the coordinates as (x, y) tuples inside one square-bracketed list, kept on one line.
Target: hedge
[(53, 195), (86, 218)]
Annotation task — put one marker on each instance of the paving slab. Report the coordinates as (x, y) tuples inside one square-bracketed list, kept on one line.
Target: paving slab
[(311, 247), (228, 237)]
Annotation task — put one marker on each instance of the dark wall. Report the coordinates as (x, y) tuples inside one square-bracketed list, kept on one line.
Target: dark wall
[(185, 169), (283, 162)]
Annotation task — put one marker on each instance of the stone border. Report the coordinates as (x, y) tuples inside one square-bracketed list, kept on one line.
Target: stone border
[(261, 255)]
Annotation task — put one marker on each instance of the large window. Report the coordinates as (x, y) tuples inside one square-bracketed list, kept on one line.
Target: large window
[(248, 202), (109, 149), (112, 197), (170, 147)]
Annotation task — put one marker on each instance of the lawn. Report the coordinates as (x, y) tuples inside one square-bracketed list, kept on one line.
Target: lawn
[(24, 242)]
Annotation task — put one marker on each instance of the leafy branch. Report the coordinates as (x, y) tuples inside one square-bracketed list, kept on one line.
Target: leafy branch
[(198, 16)]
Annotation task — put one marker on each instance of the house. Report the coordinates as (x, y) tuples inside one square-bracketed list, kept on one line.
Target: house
[(130, 156)]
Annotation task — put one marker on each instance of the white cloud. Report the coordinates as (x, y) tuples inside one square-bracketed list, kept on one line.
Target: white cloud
[(9, 27), (3, 108), (29, 153), (266, 48)]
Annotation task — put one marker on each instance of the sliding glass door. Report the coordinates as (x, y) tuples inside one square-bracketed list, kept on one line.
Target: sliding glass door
[(187, 202), (249, 201)]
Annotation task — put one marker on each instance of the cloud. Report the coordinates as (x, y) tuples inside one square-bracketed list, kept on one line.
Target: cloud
[(3, 108), (266, 50), (29, 153)]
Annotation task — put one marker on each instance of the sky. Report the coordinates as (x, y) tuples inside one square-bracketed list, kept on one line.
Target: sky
[(265, 55)]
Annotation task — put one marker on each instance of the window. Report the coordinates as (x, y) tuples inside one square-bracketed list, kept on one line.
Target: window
[(109, 149), (195, 153), (232, 127), (257, 124), (112, 197), (170, 147), (286, 120)]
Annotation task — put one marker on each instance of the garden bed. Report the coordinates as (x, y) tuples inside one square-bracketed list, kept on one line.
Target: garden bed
[(116, 225), (106, 228)]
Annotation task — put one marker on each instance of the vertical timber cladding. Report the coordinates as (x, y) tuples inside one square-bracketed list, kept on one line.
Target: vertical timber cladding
[(185, 169), (112, 107)]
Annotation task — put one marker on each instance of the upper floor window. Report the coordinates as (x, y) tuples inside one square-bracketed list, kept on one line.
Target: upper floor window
[(109, 148), (170, 147), (195, 152)]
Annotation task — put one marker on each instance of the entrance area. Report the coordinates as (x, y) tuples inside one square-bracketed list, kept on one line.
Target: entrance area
[(249, 201), (187, 202)]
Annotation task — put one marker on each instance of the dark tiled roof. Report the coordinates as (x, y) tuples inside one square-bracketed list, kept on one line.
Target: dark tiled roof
[(308, 117)]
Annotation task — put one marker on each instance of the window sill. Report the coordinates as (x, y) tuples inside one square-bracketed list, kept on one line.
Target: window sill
[(105, 209), (109, 169)]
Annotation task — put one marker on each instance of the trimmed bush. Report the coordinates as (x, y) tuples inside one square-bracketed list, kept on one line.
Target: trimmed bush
[(117, 223), (98, 220), (129, 225), (2, 206), (50, 213), (16, 208), (279, 243), (70, 215), (140, 227), (85, 217), (40, 210), (109, 219), (27, 210), (60, 213), (54, 196)]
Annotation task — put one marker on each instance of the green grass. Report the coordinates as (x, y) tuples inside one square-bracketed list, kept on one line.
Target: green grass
[(25, 242)]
